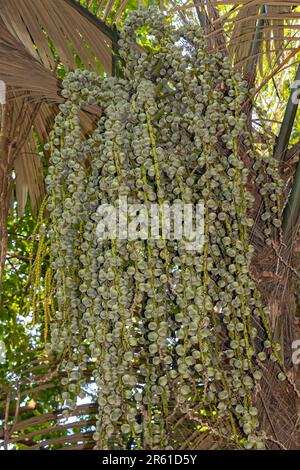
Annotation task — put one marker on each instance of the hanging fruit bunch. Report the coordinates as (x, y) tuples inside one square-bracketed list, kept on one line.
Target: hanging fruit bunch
[(165, 329)]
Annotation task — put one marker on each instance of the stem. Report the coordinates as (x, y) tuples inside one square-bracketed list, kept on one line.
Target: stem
[(116, 71), (202, 17), (291, 211), (255, 47), (83, 11), (288, 121), (111, 33)]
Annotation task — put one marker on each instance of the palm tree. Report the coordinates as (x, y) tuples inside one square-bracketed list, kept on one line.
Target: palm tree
[(40, 41)]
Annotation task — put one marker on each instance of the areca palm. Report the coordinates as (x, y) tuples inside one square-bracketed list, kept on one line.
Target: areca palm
[(40, 41)]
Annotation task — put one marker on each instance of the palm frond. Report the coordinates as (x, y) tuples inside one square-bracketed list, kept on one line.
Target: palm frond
[(46, 25), (27, 422), (279, 23), (36, 36)]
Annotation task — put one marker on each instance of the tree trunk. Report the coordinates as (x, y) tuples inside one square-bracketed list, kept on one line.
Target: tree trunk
[(6, 183), (274, 270)]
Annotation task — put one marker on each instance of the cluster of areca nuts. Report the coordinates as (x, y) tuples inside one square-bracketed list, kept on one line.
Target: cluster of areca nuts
[(164, 330)]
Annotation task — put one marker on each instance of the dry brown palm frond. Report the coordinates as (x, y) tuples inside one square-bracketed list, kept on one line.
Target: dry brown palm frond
[(108, 8), (257, 28), (35, 22), (27, 63), (20, 70), (120, 10), (112, 10), (254, 29), (190, 4), (36, 36), (29, 33), (18, 153), (241, 49)]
